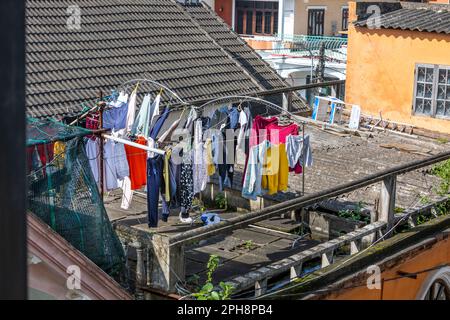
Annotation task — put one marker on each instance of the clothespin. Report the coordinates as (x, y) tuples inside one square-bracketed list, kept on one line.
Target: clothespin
[(161, 91), (137, 87), (240, 106), (182, 113)]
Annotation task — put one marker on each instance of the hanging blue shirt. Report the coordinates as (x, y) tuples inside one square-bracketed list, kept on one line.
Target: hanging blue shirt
[(116, 116)]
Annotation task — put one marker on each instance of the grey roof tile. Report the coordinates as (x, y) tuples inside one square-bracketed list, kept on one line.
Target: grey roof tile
[(423, 18), (123, 40)]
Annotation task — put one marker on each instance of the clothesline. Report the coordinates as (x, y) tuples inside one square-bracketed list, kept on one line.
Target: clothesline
[(115, 158)]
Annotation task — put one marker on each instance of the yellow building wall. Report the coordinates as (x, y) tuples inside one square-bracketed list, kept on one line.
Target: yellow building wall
[(380, 71), (404, 288), (333, 14)]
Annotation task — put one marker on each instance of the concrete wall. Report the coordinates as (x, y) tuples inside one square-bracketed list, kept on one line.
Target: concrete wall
[(325, 227), (333, 15), (224, 9), (380, 71)]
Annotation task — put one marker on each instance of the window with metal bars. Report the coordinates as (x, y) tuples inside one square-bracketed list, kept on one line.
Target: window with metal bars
[(344, 25), (316, 21), (432, 91), (257, 17)]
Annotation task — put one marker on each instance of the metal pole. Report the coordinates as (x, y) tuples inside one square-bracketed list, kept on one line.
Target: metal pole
[(102, 146), (134, 144), (303, 156)]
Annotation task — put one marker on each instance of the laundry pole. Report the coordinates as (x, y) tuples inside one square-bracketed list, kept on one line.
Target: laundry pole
[(133, 144)]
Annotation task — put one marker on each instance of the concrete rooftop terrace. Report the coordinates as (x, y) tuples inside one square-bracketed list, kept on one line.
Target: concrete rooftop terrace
[(338, 158)]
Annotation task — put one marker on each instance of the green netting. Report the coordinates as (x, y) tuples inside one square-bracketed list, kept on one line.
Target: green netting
[(63, 193), (46, 131)]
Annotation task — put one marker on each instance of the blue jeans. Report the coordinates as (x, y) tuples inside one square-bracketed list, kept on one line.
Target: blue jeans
[(154, 180)]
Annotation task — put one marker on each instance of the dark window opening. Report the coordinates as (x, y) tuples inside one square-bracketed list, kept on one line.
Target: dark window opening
[(257, 17), (316, 20), (259, 22), (344, 19), (268, 22)]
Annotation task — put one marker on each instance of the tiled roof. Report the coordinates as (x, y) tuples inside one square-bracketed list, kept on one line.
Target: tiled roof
[(235, 46), (240, 51), (123, 40), (422, 17)]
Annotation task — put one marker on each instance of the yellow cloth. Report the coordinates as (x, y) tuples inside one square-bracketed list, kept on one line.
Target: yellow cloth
[(166, 174), (210, 167), (275, 170), (59, 150)]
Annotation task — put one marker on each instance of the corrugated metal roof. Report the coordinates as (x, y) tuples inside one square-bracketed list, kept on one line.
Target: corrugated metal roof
[(423, 19), (123, 40)]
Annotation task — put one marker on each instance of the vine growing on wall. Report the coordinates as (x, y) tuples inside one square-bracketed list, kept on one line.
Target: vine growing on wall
[(208, 292)]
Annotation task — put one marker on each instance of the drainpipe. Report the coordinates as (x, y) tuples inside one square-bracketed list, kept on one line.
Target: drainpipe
[(281, 19), (233, 15)]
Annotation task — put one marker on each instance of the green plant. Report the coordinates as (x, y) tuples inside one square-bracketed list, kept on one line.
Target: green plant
[(207, 292), (221, 201), (249, 244), (199, 203), (442, 140), (424, 199), (213, 264), (421, 219), (399, 210), (193, 279), (355, 214), (442, 170), (443, 209)]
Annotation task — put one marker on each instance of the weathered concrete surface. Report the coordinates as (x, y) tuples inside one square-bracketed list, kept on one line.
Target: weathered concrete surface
[(336, 160)]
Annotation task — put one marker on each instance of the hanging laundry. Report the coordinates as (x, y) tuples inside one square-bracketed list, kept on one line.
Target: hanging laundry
[(186, 185), (233, 115), (175, 181), (258, 133), (152, 114), (168, 133), (116, 165), (220, 118), (127, 195), (92, 148), (145, 118), (141, 124), (154, 181), (137, 161), (166, 174), (299, 151), (59, 151), (192, 116), (169, 188), (223, 150), (276, 170), (200, 170), (277, 133), (276, 179), (154, 132), (121, 98), (208, 158), (115, 116), (251, 188), (131, 111), (240, 148), (39, 156)]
